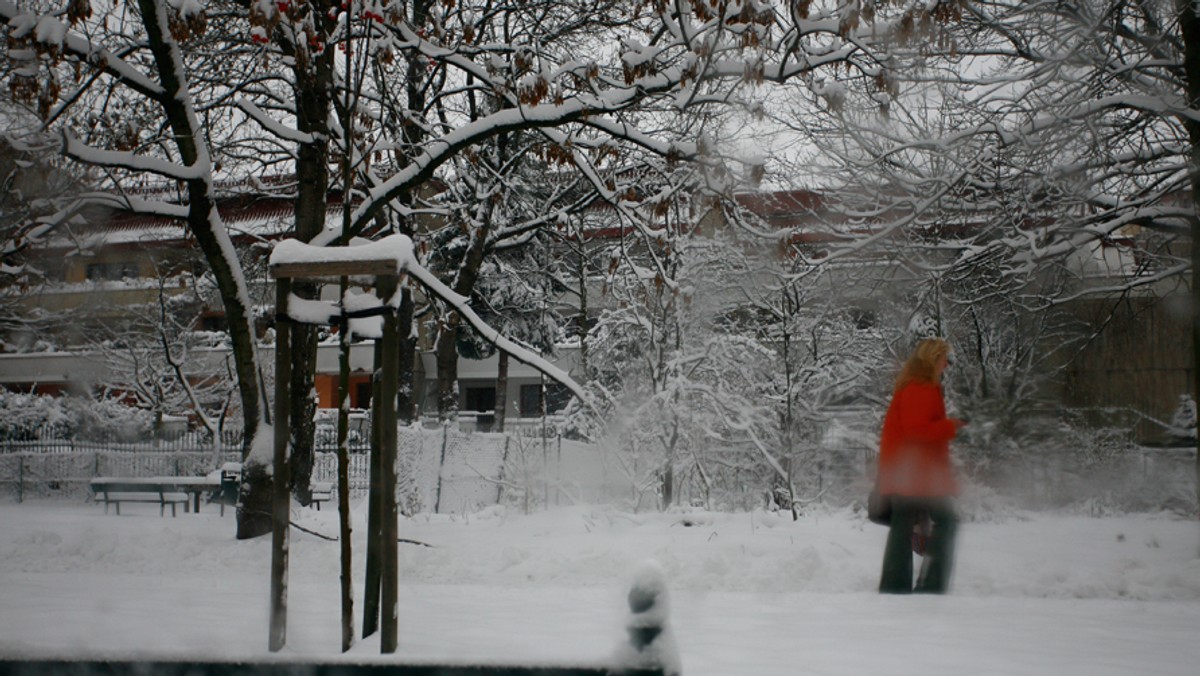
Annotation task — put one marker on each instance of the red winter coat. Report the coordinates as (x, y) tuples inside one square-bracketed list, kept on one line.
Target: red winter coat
[(914, 448)]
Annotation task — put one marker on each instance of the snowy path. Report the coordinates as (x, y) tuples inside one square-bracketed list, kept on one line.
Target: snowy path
[(718, 633), (76, 583)]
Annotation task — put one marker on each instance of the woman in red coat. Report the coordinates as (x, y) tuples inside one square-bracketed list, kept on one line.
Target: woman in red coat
[(916, 474)]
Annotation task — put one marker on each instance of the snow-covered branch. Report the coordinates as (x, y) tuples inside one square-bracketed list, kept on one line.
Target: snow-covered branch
[(79, 151)]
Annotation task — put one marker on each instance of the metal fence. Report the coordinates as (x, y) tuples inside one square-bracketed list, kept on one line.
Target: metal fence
[(55, 439)]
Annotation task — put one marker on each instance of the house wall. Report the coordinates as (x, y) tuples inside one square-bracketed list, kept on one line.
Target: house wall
[(110, 296), (327, 390), (481, 373)]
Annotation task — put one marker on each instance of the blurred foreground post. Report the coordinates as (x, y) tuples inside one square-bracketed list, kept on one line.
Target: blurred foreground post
[(651, 647)]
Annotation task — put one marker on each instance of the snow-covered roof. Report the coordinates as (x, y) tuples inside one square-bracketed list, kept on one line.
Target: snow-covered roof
[(264, 218)]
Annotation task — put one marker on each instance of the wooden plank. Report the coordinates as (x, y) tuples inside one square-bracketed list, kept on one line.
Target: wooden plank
[(376, 267)]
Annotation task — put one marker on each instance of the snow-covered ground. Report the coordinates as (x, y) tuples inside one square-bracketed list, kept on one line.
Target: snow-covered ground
[(750, 593)]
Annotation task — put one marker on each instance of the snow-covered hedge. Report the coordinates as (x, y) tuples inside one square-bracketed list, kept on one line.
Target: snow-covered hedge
[(31, 416)]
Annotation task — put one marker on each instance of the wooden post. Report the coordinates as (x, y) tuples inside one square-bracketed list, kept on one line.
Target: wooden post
[(389, 379), (280, 500), (374, 506), (545, 453), (343, 477), (503, 464), (437, 500), (382, 574)]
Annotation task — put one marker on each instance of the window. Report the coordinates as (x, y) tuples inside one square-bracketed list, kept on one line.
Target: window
[(112, 271), (212, 322), (480, 399), (362, 392), (483, 401), (530, 402)]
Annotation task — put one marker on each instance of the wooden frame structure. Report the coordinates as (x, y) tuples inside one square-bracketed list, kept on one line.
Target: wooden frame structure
[(382, 577), (384, 261)]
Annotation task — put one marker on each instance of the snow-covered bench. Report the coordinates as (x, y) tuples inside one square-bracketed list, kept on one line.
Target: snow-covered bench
[(322, 491), (115, 493)]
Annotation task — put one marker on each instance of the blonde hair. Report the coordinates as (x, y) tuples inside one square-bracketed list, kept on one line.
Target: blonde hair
[(919, 368)]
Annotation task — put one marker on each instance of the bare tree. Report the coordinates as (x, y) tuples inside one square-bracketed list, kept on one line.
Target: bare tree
[(151, 66), (160, 360)]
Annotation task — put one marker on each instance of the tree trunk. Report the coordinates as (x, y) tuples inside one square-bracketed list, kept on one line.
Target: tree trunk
[(668, 485), (446, 352), (501, 390), (406, 398), (254, 514), (583, 313), (408, 408), (303, 404), (447, 341), (313, 91), (254, 501), (1189, 23)]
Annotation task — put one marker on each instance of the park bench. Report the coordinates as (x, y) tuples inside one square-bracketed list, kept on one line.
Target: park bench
[(322, 491), (116, 493)]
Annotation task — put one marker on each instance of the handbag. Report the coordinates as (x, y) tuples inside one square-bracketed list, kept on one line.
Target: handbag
[(879, 508)]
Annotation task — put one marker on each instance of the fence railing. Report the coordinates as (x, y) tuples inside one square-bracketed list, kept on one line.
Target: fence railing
[(51, 439), (442, 469), (62, 439)]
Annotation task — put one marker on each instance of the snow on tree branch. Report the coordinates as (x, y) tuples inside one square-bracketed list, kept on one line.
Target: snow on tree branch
[(77, 150), (271, 124)]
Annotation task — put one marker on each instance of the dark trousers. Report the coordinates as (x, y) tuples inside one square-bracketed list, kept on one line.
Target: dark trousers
[(897, 577)]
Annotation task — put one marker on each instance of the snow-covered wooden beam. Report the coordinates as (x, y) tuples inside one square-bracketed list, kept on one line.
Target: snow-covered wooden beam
[(323, 269), (293, 259)]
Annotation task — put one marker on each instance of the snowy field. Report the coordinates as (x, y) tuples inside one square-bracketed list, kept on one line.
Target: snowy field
[(750, 593)]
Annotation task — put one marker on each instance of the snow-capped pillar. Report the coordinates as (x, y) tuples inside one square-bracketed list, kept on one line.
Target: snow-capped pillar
[(280, 499), (651, 647)]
